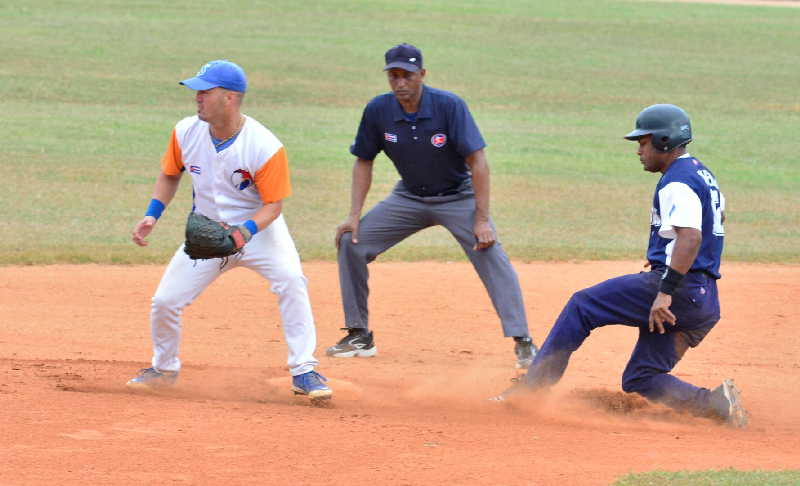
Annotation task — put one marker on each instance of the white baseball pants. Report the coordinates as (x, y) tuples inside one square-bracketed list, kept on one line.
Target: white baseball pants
[(272, 254)]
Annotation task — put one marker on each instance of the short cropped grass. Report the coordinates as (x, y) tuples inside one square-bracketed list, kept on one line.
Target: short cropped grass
[(725, 477), (89, 95)]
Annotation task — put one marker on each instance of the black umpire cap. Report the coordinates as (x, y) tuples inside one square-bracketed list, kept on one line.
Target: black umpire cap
[(403, 56)]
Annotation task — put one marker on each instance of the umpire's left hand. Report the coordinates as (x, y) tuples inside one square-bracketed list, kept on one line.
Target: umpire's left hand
[(484, 235)]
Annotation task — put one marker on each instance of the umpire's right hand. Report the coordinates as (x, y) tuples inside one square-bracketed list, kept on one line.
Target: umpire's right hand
[(350, 225)]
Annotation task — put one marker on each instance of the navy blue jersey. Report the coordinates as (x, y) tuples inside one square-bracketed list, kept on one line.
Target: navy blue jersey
[(428, 152), (687, 196)]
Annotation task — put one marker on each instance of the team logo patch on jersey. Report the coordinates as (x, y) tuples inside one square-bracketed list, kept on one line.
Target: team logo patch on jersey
[(194, 169), (390, 137), (241, 179), (439, 140)]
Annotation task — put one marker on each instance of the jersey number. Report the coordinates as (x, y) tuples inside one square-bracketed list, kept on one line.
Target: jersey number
[(716, 201)]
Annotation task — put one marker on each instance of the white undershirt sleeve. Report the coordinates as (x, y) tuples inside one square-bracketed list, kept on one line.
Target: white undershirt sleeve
[(680, 207)]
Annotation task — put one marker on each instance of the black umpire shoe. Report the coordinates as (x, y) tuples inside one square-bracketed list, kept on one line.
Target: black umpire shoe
[(357, 343), (525, 351)]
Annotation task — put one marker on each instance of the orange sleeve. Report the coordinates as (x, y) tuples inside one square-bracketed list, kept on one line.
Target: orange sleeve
[(172, 161), (272, 179)]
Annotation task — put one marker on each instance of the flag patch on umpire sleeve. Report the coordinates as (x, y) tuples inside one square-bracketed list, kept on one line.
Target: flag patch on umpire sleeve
[(390, 137)]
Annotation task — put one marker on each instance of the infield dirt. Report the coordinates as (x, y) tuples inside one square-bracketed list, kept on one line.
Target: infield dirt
[(416, 414)]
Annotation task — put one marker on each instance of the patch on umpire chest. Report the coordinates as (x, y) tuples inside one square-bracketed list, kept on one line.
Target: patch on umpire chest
[(242, 179), (439, 140)]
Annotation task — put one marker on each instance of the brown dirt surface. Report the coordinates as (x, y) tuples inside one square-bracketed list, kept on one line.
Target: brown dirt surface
[(416, 414)]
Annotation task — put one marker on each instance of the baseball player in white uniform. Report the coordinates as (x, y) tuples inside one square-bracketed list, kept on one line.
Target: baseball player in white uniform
[(240, 175)]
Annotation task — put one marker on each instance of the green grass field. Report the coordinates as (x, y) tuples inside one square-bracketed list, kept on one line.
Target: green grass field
[(89, 95), (726, 477)]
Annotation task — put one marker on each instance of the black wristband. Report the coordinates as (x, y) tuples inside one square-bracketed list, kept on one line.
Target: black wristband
[(670, 281)]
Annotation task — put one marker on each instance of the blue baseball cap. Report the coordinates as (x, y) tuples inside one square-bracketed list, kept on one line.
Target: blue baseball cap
[(403, 56), (218, 74)]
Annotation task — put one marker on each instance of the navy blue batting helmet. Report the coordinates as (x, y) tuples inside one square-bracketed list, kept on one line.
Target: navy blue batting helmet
[(669, 126)]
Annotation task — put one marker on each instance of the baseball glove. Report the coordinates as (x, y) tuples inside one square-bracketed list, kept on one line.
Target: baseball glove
[(206, 238)]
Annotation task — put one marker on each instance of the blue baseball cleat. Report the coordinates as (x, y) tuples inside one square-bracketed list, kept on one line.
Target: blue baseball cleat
[(151, 378), (311, 384)]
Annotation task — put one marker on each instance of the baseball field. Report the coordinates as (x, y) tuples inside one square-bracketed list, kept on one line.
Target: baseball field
[(89, 95)]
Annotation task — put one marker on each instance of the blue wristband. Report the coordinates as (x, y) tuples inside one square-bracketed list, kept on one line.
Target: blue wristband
[(251, 226), (155, 208)]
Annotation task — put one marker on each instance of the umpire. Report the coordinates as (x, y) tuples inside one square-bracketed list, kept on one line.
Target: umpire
[(434, 143)]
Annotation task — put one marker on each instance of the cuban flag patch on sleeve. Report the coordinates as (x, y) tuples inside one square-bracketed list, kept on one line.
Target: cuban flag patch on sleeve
[(390, 137), (194, 169)]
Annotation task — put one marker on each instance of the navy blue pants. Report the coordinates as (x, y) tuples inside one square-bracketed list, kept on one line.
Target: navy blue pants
[(627, 300)]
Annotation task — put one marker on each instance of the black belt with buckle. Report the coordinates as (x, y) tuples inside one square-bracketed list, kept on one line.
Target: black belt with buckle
[(424, 192)]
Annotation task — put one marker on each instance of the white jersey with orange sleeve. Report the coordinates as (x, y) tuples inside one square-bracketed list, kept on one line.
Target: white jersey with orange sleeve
[(232, 184)]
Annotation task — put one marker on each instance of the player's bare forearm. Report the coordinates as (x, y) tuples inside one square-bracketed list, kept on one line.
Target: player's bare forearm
[(687, 244), (362, 181), (267, 214), (479, 167), (166, 187)]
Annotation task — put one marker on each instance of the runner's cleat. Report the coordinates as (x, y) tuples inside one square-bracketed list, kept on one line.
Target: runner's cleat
[(518, 387), (727, 402)]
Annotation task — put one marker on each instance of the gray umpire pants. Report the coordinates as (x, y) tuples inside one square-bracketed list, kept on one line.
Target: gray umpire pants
[(402, 214)]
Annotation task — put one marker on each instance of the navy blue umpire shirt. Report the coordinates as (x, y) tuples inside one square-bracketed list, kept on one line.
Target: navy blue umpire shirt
[(428, 150)]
